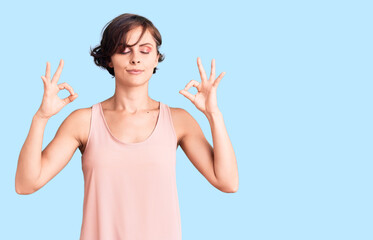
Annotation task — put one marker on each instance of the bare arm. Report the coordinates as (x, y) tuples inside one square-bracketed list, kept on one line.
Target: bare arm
[(30, 161), (36, 167), (218, 164)]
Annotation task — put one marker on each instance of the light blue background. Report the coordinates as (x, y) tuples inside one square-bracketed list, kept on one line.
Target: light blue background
[(296, 101)]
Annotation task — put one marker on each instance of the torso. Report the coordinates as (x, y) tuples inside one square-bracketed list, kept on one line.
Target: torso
[(138, 126)]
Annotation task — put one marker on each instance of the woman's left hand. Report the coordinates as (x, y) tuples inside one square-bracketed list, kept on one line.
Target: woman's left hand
[(205, 99)]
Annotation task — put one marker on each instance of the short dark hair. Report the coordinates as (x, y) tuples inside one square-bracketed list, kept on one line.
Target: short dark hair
[(114, 39)]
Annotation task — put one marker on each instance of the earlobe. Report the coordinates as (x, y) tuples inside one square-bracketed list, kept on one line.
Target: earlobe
[(110, 64)]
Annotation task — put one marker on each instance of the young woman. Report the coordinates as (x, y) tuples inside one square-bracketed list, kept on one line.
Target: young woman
[(129, 141)]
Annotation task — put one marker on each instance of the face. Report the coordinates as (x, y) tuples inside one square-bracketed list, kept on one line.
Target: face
[(142, 56)]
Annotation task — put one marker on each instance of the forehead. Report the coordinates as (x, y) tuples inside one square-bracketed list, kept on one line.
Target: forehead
[(134, 35)]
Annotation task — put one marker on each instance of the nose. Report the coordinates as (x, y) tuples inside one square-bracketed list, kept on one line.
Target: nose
[(135, 58)]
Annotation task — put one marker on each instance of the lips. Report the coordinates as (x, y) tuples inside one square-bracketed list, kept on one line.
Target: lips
[(135, 71)]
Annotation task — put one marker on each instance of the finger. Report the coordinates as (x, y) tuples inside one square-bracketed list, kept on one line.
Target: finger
[(70, 98), (212, 74), (67, 87), (217, 81), (188, 95), (57, 74), (48, 71), (44, 81), (201, 69), (193, 83)]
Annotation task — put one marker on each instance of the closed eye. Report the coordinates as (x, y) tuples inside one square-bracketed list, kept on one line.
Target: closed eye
[(130, 51)]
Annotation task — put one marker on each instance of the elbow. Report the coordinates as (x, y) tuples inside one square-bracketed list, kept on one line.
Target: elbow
[(232, 190), (229, 189), (23, 191), (235, 189), (18, 191), (24, 186), (232, 187)]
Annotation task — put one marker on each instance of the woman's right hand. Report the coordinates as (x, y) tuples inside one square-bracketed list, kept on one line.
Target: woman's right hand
[(51, 103)]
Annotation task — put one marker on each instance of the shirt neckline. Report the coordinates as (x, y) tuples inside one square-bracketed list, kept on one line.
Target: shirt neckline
[(137, 143)]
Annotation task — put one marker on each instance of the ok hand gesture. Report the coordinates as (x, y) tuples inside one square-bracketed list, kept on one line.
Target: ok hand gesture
[(205, 100), (51, 103)]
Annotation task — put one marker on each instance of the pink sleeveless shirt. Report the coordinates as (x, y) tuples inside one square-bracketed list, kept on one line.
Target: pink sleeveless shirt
[(130, 188)]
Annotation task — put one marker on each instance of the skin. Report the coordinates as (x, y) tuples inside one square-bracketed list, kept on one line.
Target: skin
[(132, 107)]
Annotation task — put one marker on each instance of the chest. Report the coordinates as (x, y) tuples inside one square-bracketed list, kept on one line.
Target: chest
[(132, 129)]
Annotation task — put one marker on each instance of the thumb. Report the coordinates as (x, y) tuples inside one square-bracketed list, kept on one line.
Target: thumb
[(182, 92), (71, 98), (187, 94)]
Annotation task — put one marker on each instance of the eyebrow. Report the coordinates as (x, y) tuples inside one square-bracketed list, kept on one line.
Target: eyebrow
[(146, 44)]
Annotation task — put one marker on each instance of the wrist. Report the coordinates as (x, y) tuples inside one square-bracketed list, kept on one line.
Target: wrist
[(214, 114), (38, 115)]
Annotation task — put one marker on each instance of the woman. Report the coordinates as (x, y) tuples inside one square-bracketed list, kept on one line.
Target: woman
[(128, 142)]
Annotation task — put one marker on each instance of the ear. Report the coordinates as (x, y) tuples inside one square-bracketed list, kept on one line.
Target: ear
[(111, 65), (156, 60)]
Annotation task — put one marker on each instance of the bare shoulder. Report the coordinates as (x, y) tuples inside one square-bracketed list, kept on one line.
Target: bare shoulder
[(180, 114), (182, 121), (81, 118)]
